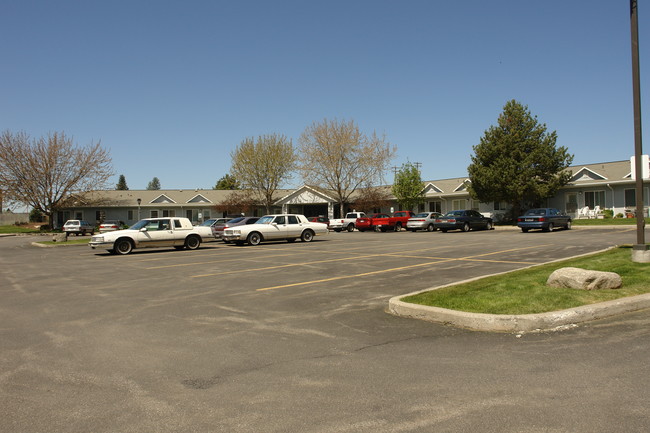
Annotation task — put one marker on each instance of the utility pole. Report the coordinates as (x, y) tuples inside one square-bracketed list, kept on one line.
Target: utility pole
[(640, 249)]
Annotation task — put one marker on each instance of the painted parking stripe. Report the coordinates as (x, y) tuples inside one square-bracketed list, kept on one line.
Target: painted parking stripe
[(442, 260)]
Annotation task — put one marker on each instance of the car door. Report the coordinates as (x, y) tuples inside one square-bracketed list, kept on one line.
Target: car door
[(476, 220), (277, 229), (157, 233), (294, 227)]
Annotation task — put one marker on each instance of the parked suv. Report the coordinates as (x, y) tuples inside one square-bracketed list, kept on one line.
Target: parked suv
[(78, 227)]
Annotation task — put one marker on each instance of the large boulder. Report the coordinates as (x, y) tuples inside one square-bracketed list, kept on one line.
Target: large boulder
[(576, 278), (60, 237)]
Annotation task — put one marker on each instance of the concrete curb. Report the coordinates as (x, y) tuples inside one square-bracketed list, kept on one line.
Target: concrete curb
[(512, 322), (517, 323)]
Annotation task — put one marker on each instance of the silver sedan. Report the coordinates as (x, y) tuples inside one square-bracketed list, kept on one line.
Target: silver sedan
[(422, 221)]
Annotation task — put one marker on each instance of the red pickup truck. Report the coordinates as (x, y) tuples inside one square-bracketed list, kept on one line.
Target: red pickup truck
[(383, 222), (401, 217), (370, 222)]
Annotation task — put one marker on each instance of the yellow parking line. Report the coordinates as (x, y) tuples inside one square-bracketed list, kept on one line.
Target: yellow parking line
[(442, 260), (239, 271)]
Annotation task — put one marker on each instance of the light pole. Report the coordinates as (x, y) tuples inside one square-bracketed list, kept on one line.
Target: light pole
[(640, 251), (139, 201)]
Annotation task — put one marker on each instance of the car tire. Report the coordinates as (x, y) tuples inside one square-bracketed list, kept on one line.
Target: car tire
[(550, 227), (568, 225), (307, 236), (337, 230), (123, 246), (350, 228), (524, 230), (254, 239), (398, 227), (488, 226), (466, 227), (431, 228), (192, 242)]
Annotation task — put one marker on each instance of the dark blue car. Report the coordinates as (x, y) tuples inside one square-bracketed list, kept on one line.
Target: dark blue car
[(547, 219), (464, 220)]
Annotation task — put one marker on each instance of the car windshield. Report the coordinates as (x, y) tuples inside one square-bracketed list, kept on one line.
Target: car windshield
[(235, 220), (536, 212), (139, 225), (72, 223), (267, 219), (454, 213), (208, 223), (422, 215)]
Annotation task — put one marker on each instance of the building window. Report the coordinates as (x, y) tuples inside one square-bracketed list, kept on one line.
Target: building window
[(459, 204), (435, 206), (595, 198), (206, 214), (78, 215), (154, 214), (129, 215), (169, 213), (630, 197), (474, 204), (500, 205)]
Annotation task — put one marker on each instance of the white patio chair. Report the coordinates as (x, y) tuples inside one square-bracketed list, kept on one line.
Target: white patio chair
[(583, 212)]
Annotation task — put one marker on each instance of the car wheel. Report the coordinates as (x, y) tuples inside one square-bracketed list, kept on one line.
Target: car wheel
[(568, 225), (307, 236), (398, 227), (123, 246), (430, 228), (466, 227), (550, 227), (488, 226), (350, 228), (524, 230), (254, 239), (192, 242)]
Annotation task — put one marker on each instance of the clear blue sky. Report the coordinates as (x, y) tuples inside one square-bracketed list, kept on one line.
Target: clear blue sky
[(172, 87)]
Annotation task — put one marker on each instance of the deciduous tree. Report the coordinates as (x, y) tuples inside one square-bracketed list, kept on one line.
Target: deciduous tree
[(45, 172), (517, 161), (263, 164), (337, 155), (369, 198), (408, 188)]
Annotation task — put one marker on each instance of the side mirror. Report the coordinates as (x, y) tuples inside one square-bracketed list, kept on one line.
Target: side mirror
[(143, 229)]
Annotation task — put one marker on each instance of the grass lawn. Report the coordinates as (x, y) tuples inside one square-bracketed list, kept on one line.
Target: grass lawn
[(70, 241), (607, 222), (526, 292), (17, 229)]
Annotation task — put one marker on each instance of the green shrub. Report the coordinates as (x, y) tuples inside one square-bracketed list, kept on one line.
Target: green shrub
[(609, 213)]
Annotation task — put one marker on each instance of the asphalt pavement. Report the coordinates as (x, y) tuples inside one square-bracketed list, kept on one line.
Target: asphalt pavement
[(297, 338)]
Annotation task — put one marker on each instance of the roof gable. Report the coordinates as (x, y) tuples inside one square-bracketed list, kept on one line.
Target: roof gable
[(463, 186), (431, 188), (162, 198), (305, 195), (586, 174), (199, 198)]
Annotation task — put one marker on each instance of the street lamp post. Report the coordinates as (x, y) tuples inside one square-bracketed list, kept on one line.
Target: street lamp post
[(139, 201), (640, 251)]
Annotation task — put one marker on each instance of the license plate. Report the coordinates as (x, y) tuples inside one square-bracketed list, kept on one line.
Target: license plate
[(530, 219)]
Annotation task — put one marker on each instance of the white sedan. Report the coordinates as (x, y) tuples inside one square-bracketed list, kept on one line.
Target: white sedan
[(275, 227)]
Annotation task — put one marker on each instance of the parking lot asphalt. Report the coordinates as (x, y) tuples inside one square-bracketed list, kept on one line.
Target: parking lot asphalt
[(296, 338)]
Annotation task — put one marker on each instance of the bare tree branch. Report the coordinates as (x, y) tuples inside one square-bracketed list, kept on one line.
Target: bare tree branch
[(44, 172)]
